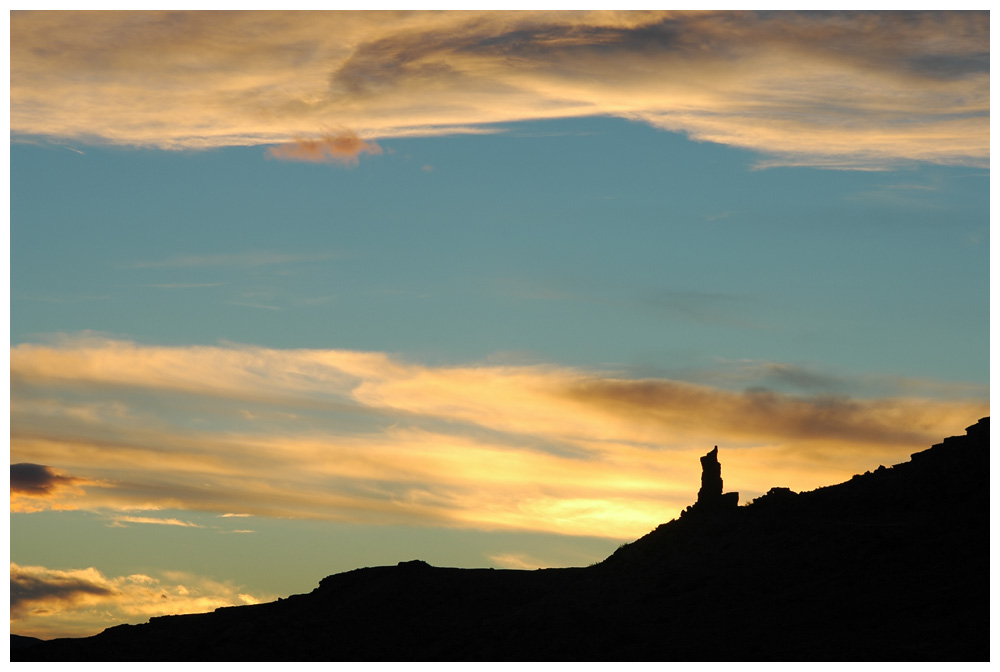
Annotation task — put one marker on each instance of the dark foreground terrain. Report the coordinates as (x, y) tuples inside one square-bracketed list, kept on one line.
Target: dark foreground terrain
[(891, 565)]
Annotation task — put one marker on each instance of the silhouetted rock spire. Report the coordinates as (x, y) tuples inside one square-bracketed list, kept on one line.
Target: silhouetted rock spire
[(711, 478), (710, 496)]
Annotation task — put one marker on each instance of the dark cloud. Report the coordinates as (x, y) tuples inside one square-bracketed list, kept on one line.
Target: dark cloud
[(421, 57), (757, 413), (891, 41), (36, 487), (27, 587), (802, 378), (38, 480)]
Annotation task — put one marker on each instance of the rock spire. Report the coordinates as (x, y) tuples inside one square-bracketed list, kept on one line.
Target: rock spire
[(710, 496)]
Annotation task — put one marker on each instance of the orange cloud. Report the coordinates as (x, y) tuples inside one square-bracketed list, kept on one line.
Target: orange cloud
[(345, 147), (838, 90), (367, 438), (36, 487), (48, 602)]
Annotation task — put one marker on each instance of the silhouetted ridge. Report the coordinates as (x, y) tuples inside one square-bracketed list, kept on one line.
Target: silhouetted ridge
[(890, 565), (20, 642)]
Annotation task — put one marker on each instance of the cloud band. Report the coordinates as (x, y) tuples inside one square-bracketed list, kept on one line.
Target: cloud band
[(831, 89)]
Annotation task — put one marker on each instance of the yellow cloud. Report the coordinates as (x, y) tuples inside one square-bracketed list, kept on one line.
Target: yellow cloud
[(517, 561), (80, 602), (148, 520), (859, 90), (378, 440), (36, 487)]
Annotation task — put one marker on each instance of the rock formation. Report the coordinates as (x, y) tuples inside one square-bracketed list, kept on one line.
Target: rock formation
[(710, 496), (711, 478)]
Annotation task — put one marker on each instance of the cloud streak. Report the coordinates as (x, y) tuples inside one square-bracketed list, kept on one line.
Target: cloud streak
[(368, 438), (233, 260), (834, 89), (120, 521)]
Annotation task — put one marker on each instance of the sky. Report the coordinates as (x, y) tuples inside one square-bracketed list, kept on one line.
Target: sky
[(295, 293)]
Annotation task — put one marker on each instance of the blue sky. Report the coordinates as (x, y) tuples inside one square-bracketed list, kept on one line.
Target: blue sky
[(593, 241), (292, 294)]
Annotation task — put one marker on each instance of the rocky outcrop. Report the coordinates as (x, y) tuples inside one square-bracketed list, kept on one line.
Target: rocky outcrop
[(711, 479), (775, 497), (710, 496)]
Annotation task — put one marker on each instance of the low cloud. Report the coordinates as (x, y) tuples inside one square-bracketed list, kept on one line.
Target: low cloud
[(48, 602), (37, 479), (120, 521), (518, 561), (35, 585), (36, 487), (839, 90), (344, 147)]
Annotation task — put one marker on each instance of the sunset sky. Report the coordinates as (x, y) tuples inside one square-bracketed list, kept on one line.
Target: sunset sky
[(295, 293)]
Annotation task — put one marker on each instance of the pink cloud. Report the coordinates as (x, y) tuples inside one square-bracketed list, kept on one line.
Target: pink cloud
[(344, 147)]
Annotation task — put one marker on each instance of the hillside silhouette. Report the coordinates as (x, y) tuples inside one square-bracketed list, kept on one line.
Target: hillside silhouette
[(890, 565)]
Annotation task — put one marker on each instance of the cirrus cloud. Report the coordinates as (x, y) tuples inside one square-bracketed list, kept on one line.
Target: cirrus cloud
[(834, 89)]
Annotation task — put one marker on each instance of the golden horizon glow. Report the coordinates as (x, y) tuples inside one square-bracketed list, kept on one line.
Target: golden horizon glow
[(541, 448), (48, 603)]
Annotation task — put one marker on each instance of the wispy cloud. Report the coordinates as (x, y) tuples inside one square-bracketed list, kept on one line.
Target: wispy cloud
[(233, 260), (59, 299), (720, 215), (712, 308), (835, 90), (247, 304), (48, 602), (518, 561), (120, 521), (804, 378), (365, 437), (185, 285)]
